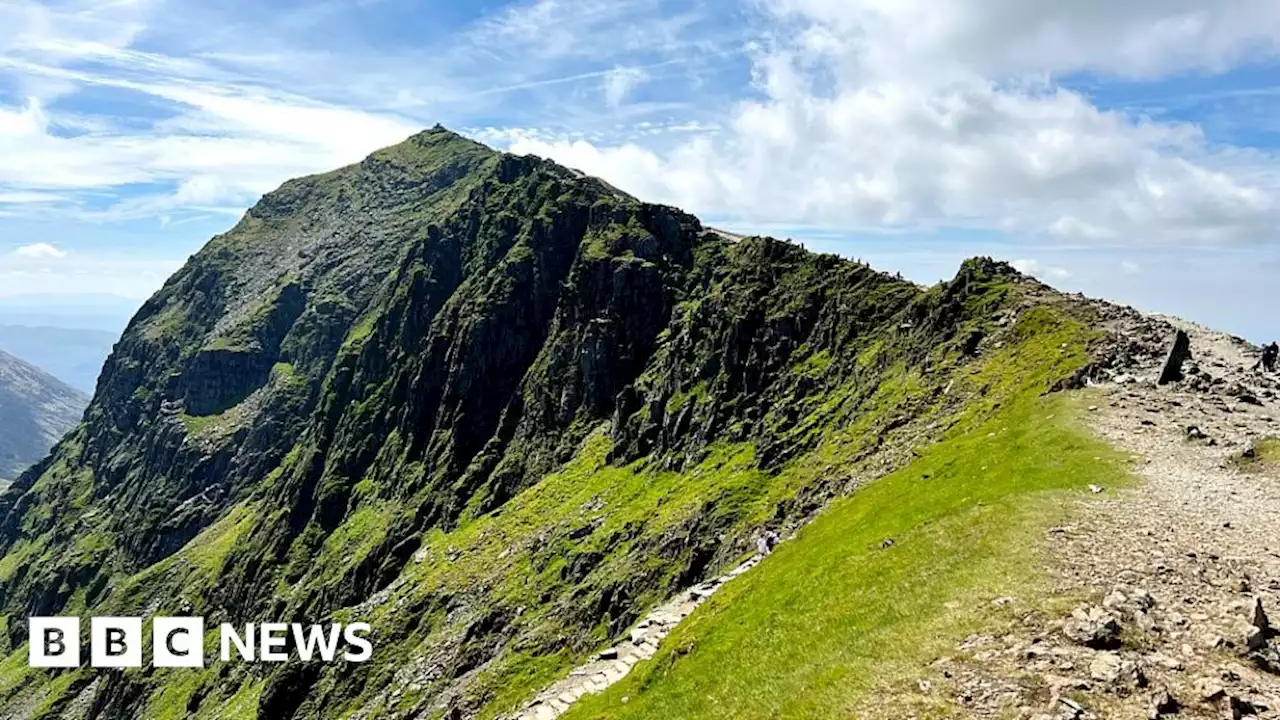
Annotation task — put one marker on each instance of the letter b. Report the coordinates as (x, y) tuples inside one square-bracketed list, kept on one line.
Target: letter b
[(54, 642), (115, 642)]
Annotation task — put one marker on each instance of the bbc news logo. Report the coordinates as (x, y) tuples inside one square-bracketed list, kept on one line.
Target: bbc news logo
[(178, 642)]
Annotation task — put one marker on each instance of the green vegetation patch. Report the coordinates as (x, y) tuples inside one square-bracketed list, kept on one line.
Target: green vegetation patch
[(1261, 456), (862, 594)]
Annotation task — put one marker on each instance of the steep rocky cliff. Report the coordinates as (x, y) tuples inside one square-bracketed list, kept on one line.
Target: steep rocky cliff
[(494, 407), (36, 410)]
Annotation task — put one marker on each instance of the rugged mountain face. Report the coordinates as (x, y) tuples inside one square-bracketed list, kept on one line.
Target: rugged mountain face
[(36, 410), (494, 407)]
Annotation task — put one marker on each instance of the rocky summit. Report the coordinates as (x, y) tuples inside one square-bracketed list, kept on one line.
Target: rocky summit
[(571, 453), (36, 410)]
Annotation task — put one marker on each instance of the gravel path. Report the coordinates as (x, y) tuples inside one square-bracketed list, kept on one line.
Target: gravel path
[(1172, 569)]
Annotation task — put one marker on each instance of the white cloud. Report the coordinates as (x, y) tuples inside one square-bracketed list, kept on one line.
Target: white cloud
[(916, 114), (922, 39), (40, 251), (620, 82), (866, 113), (1037, 269), (82, 274), (1130, 268), (217, 129), (228, 146)]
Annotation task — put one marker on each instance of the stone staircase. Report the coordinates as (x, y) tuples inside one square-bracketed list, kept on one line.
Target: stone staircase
[(613, 664)]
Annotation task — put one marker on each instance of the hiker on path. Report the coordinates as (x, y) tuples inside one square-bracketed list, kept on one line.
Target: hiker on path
[(766, 541), (762, 544), (1269, 356)]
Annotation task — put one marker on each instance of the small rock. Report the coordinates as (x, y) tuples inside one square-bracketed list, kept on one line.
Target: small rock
[(1179, 353), (1255, 639), (1210, 691), (1095, 489), (1167, 662), (1195, 433), (1163, 704), (1241, 708), (1260, 619), (1105, 667), (610, 654), (1111, 669), (1095, 628), (1074, 709), (888, 543)]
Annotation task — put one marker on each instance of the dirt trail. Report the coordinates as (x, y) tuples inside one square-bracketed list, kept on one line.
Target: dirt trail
[(1174, 566)]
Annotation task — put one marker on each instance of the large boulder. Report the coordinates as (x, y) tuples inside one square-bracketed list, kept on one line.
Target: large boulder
[(1179, 353)]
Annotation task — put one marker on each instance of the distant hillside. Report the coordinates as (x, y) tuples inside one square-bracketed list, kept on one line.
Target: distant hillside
[(73, 356), (36, 410)]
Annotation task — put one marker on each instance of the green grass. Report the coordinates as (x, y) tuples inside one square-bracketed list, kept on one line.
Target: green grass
[(1265, 456), (197, 425), (831, 616)]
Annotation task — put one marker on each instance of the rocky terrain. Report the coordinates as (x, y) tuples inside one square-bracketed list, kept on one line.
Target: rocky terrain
[(36, 410), (1171, 582)]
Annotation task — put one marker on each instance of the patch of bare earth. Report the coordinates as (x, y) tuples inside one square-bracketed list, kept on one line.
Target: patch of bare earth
[(1159, 591)]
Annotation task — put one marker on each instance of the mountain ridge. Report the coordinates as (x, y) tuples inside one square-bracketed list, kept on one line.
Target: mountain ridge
[(445, 346)]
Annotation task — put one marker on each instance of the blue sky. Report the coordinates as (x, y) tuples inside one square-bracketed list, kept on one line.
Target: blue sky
[(1124, 150)]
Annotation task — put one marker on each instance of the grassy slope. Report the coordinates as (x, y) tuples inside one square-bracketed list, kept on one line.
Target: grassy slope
[(832, 616)]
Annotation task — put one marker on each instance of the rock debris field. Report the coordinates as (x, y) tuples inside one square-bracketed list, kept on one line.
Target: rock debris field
[(1182, 570)]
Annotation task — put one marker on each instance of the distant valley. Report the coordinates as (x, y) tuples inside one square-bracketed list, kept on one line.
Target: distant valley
[(74, 356), (36, 410)]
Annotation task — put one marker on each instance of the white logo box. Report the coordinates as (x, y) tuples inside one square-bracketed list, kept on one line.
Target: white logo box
[(178, 642)]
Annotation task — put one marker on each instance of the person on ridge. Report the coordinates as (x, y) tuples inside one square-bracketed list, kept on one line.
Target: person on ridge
[(1269, 356)]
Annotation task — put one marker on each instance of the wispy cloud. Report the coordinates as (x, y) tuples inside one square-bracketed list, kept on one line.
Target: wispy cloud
[(212, 128), (620, 82), (40, 251)]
